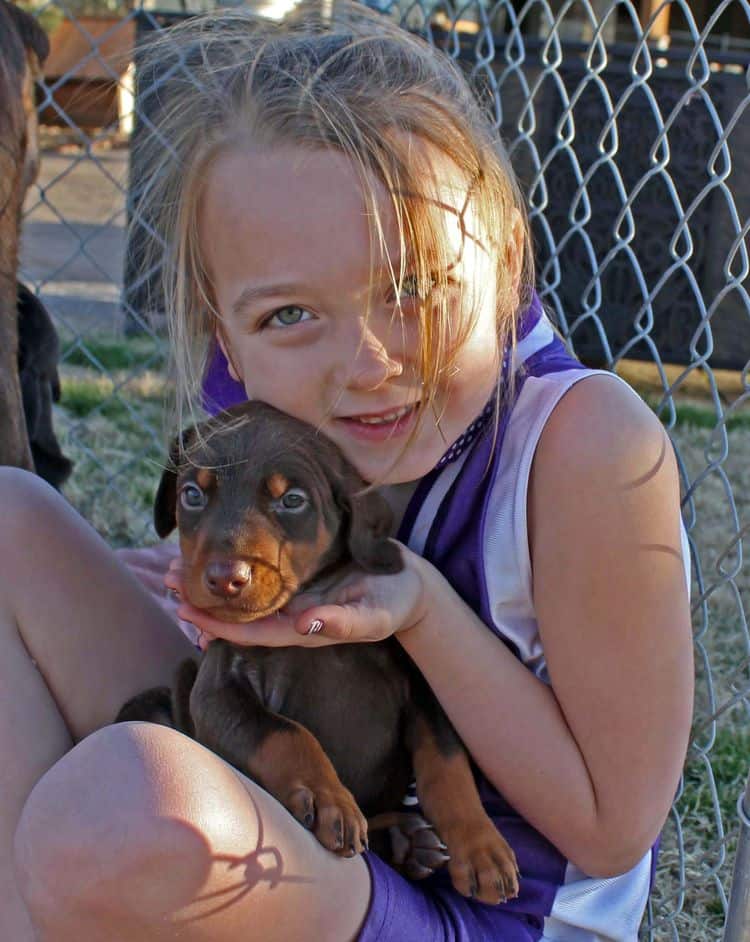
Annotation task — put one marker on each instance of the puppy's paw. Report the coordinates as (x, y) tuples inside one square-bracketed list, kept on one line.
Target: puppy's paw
[(409, 843), (331, 813), (482, 864)]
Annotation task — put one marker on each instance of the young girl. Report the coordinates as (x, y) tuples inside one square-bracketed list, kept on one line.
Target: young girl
[(343, 229)]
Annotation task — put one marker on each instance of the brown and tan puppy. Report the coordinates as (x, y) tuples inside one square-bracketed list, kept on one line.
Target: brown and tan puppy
[(265, 506), (23, 48)]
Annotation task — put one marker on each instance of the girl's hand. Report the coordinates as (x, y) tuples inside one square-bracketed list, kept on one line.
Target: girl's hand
[(149, 564), (360, 607)]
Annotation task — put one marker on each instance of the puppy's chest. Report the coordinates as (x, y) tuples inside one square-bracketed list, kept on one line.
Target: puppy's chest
[(341, 689)]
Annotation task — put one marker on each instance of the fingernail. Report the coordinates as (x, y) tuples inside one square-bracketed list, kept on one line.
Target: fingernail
[(315, 627)]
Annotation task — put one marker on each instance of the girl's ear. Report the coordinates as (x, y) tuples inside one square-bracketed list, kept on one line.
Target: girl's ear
[(233, 371)]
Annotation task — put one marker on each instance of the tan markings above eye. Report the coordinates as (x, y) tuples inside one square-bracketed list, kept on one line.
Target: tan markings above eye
[(277, 485), (204, 478)]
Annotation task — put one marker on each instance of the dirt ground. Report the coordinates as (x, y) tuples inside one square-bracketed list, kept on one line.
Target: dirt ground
[(74, 236)]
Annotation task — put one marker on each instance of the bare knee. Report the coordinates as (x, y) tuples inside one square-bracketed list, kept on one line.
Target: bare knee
[(120, 826), (22, 495), (19, 484)]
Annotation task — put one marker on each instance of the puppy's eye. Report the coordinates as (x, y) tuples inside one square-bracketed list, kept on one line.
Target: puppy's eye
[(192, 497), (294, 499)]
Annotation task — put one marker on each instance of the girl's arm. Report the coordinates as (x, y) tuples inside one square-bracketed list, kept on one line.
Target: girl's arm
[(594, 764)]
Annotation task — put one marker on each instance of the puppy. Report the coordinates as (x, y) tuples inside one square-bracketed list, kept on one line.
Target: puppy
[(23, 48), (265, 506)]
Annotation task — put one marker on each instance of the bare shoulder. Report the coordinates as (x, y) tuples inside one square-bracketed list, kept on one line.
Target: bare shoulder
[(604, 476), (602, 427)]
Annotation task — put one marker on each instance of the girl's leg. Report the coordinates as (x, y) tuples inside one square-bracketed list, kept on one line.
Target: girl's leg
[(79, 636), (139, 833)]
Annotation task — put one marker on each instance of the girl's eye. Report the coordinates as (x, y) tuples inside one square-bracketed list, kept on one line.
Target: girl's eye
[(192, 497), (410, 288), (294, 499), (289, 316)]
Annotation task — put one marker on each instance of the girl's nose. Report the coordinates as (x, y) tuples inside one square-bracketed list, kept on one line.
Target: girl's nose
[(371, 364)]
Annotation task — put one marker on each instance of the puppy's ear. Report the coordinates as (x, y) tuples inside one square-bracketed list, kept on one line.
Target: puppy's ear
[(165, 502), (369, 530)]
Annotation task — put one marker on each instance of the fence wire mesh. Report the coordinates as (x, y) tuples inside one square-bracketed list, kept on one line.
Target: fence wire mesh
[(627, 126)]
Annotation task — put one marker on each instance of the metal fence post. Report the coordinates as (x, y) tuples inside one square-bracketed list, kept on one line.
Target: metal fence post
[(737, 928)]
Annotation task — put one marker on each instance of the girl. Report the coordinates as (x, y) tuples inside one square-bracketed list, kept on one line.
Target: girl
[(342, 223)]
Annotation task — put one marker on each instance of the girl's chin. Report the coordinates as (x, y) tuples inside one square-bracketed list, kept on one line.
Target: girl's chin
[(393, 468)]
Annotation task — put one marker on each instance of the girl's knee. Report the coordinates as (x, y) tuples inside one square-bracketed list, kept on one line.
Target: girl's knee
[(125, 822), (22, 494)]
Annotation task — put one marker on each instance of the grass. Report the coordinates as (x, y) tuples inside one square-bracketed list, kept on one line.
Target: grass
[(111, 422), (702, 416), (105, 352)]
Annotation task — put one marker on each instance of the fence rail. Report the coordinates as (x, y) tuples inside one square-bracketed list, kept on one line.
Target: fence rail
[(633, 147)]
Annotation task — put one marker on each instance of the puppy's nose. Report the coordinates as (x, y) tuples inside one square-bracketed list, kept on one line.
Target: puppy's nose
[(227, 577)]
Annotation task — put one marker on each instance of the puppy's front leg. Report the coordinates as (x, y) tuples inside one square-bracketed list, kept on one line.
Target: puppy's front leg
[(481, 862), (279, 754)]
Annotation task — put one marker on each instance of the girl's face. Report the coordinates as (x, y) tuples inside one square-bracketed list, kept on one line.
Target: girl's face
[(286, 240)]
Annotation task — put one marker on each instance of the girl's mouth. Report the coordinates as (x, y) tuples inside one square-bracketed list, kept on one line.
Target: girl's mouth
[(379, 426)]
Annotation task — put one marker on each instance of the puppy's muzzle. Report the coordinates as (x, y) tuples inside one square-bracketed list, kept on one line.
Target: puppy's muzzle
[(236, 587), (227, 578)]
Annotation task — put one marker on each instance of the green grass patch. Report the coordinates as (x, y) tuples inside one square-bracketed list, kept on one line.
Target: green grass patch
[(698, 416), (82, 396), (730, 763), (115, 353)]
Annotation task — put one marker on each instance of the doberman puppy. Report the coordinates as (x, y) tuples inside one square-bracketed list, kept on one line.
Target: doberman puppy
[(265, 506), (23, 48)]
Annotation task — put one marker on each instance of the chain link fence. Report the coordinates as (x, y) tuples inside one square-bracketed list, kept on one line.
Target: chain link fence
[(627, 126)]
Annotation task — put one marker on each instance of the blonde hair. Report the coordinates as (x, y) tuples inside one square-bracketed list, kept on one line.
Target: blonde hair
[(355, 82)]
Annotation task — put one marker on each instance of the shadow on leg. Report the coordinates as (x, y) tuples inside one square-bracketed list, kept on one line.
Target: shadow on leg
[(138, 832)]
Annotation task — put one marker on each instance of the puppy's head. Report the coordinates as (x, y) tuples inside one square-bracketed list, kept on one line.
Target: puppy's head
[(264, 504)]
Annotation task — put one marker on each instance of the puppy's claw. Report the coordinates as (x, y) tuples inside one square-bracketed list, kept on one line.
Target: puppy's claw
[(415, 871), (434, 859), (302, 805)]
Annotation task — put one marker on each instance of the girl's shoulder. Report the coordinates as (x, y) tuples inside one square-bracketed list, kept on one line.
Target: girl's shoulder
[(600, 429), (604, 482)]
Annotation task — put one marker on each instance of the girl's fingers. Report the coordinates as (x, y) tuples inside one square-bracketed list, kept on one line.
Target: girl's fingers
[(274, 631), (148, 564), (173, 580), (348, 622)]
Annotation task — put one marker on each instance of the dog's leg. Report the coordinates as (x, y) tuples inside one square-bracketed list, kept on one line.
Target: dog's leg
[(183, 687), (279, 754), (151, 706), (482, 864)]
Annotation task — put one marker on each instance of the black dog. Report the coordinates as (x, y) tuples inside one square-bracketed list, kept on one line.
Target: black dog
[(38, 355), (265, 506)]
